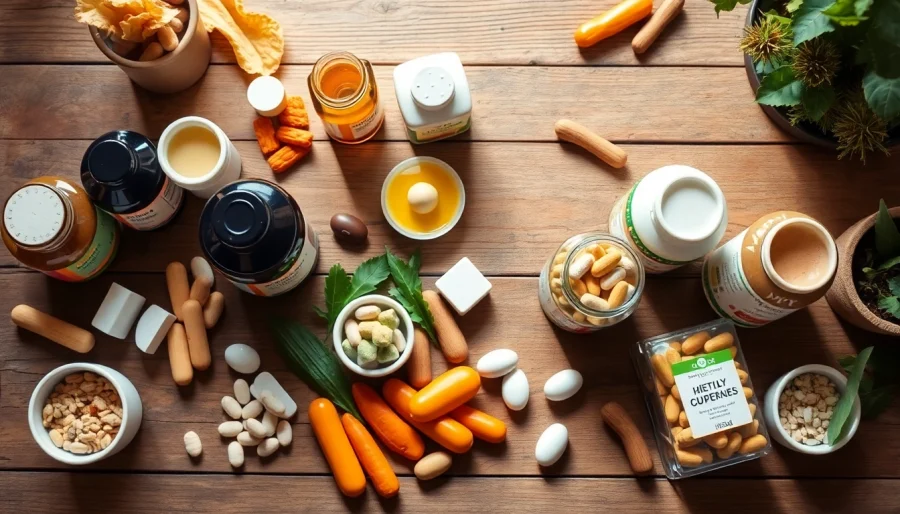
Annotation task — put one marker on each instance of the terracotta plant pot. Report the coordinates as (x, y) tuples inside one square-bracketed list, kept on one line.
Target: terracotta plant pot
[(842, 297), (175, 71)]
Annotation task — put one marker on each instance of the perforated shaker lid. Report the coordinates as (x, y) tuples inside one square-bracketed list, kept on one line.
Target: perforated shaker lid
[(433, 88), (34, 215)]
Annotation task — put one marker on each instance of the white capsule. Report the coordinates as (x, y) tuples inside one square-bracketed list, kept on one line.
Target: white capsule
[(231, 407), (242, 391), (252, 409), (563, 385), (270, 422), (496, 363), (284, 433), (581, 265), (552, 444), (267, 447), (246, 439), (515, 390), (235, 454), (231, 428), (367, 312), (351, 332), (192, 444), (612, 278)]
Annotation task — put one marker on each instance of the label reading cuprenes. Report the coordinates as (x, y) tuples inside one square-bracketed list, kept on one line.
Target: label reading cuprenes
[(159, 212), (359, 129), (711, 393), (299, 270)]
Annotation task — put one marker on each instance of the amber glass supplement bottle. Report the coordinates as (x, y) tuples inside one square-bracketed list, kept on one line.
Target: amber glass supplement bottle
[(50, 225), (344, 93)]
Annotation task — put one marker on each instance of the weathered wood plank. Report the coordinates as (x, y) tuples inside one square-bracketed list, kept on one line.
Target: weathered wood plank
[(497, 32), (523, 200), (510, 318), (622, 104)]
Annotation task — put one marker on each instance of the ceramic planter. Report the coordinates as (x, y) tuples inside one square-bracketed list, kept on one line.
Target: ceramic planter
[(842, 297), (175, 71)]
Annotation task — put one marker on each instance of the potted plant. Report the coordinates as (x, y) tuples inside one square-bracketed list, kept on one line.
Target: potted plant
[(826, 71), (866, 289)]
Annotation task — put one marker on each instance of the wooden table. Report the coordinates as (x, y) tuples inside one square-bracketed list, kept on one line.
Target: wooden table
[(686, 101)]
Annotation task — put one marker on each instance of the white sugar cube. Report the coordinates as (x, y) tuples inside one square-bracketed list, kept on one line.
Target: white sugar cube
[(463, 286)]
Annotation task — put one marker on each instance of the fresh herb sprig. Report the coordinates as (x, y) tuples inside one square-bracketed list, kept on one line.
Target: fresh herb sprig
[(879, 288), (408, 290), (340, 289), (843, 407), (308, 358), (880, 381)]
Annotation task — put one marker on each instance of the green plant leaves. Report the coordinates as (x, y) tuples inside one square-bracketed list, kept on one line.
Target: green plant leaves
[(891, 305), (887, 237), (408, 290), (843, 407), (894, 285), (817, 100), (883, 39), (810, 21), (341, 289), (727, 5), (793, 5), (888, 264), (780, 88), (882, 95), (847, 13)]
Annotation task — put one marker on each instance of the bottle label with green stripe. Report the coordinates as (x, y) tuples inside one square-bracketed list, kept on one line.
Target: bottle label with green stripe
[(621, 225), (711, 393)]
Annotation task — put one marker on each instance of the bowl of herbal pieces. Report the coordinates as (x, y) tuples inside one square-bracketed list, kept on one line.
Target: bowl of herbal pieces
[(866, 289)]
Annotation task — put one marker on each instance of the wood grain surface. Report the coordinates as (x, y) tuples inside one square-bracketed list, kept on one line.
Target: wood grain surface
[(391, 31), (505, 185), (621, 104)]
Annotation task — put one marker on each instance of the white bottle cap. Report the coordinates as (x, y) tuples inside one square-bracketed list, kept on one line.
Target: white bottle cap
[(34, 215), (152, 328), (118, 311), (433, 88), (266, 94)]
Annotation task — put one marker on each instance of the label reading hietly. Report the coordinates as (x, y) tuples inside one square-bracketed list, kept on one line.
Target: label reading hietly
[(711, 393), (621, 225), (98, 255), (159, 212), (300, 269), (34, 215), (358, 130)]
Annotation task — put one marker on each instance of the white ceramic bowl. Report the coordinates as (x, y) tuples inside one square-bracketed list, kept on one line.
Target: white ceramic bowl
[(427, 235), (132, 412), (773, 420), (406, 326)]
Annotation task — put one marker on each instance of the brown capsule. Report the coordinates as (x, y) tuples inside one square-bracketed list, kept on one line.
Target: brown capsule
[(198, 344), (179, 355), (349, 229), (212, 311)]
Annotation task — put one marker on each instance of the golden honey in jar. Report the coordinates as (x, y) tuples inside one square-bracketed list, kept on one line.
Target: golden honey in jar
[(50, 225), (345, 96)]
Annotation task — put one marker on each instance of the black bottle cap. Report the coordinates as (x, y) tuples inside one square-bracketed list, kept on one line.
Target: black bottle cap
[(241, 218), (110, 161)]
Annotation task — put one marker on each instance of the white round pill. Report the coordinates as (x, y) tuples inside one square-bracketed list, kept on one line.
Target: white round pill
[(266, 94), (422, 197)]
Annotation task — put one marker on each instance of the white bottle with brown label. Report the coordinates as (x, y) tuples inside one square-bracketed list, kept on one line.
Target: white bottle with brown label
[(781, 263)]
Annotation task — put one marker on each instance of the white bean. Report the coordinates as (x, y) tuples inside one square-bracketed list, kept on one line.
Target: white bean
[(192, 444), (230, 428), (367, 312), (285, 433), (270, 421), (399, 341), (252, 410), (267, 447), (256, 428), (242, 391), (235, 454), (351, 332), (245, 439), (231, 407)]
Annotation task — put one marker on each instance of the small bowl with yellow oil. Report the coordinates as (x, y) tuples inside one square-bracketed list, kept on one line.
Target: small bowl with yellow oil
[(423, 198)]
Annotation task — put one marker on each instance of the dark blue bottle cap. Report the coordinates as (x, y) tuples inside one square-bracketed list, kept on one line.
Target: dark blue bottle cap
[(250, 230), (110, 161)]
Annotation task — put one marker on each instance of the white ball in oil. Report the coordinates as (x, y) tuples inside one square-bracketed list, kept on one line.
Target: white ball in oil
[(422, 197)]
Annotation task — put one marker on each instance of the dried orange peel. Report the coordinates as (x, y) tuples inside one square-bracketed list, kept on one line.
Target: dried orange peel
[(130, 20), (257, 39)]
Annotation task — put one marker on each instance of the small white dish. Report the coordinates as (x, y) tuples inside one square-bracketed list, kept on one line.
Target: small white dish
[(773, 420), (420, 236), (132, 412), (406, 326)]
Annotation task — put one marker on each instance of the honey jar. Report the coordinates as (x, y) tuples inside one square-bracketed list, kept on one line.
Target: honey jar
[(345, 96)]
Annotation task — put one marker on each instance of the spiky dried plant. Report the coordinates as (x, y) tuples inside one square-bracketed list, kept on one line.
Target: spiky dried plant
[(858, 129), (797, 114), (767, 41), (816, 62)]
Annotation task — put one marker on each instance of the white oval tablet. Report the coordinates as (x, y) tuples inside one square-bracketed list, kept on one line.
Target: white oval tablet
[(496, 363), (242, 358), (552, 444), (563, 385), (515, 390)]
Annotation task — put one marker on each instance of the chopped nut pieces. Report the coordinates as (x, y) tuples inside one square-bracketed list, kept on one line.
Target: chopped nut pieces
[(806, 406), (83, 413)]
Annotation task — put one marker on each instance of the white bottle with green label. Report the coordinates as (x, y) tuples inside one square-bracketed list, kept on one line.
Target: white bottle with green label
[(672, 216), (433, 95)]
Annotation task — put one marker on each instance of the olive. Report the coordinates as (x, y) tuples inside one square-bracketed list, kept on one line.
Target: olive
[(349, 228)]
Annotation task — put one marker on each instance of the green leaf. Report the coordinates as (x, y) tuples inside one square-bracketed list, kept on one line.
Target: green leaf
[(847, 362), (861, 7), (876, 401), (882, 95), (368, 276), (817, 100), (894, 285), (882, 44), (793, 5), (843, 12), (341, 289), (845, 404), (869, 273), (408, 291), (890, 304), (780, 88), (887, 237), (773, 16), (308, 358), (337, 286), (810, 22), (415, 260), (886, 265), (727, 5)]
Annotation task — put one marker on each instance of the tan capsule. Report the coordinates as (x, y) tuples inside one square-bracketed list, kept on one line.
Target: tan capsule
[(717, 440), (672, 355), (198, 344), (153, 51), (749, 430), (607, 263), (179, 288), (743, 376), (578, 287), (433, 465), (720, 342), (689, 457), (694, 343), (212, 311), (734, 443), (200, 289), (675, 345), (618, 295), (748, 393), (685, 438), (672, 409), (753, 444), (752, 407), (663, 369), (179, 355), (675, 393), (682, 420), (177, 25), (596, 250), (661, 389), (167, 38), (592, 283)]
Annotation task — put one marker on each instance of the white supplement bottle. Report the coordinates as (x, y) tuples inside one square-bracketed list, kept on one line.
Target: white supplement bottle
[(672, 216), (433, 95)]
